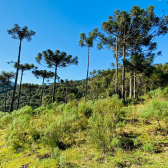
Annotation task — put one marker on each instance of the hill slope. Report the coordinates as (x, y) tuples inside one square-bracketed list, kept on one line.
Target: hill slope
[(100, 133)]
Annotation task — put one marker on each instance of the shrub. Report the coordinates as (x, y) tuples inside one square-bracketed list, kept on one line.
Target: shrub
[(153, 94), (56, 153), (62, 161), (155, 110), (35, 135), (16, 145), (148, 147), (74, 103), (60, 108), (52, 105), (39, 110), (50, 135), (2, 114), (136, 142), (18, 128), (24, 110), (165, 92), (85, 109), (103, 122), (131, 112), (68, 123), (5, 119), (127, 143)]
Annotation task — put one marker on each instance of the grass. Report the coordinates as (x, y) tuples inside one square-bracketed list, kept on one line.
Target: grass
[(60, 136)]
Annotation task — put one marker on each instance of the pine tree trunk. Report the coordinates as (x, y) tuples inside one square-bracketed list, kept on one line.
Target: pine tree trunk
[(6, 94), (42, 92), (116, 82), (123, 74), (54, 86), (87, 75), (14, 90), (64, 96), (20, 89), (131, 85), (134, 84), (29, 95), (66, 93)]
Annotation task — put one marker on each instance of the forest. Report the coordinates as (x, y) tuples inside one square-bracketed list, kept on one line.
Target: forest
[(117, 117)]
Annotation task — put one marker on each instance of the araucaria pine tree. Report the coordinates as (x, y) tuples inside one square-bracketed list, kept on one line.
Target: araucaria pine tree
[(22, 67), (88, 42), (18, 33), (135, 29), (55, 60)]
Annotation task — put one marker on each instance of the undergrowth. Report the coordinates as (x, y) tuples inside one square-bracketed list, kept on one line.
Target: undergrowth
[(102, 133)]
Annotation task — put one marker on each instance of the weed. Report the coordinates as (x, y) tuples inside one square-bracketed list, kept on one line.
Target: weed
[(148, 147)]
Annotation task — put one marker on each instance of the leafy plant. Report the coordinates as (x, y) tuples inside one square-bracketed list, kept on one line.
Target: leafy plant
[(85, 109), (148, 147), (56, 153), (103, 123), (155, 110)]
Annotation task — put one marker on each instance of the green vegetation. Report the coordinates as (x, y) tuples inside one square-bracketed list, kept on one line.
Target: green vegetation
[(115, 118), (101, 84), (98, 133)]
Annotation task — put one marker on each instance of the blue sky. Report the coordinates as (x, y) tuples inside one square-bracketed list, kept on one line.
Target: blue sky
[(58, 25)]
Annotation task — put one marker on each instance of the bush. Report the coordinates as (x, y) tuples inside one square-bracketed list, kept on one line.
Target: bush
[(148, 147), (39, 110), (52, 105), (155, 110), (85, 109), (5, 119), (103, 123), (165, 92), (35, 135), (68, 123), (50, 135), (74, 103), (60, 108), (24, 110), (136, 142), (62, 161), (2, 114), (18, 129), (56, 154)]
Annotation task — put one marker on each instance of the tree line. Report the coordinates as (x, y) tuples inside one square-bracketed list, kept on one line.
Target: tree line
[(129, 35)]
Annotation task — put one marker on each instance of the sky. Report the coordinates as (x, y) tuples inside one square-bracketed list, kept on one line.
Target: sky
[(58, 24)]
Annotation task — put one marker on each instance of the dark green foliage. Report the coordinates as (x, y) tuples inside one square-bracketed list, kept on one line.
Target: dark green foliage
[(100, 85), (55, 60), (5, 78)]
